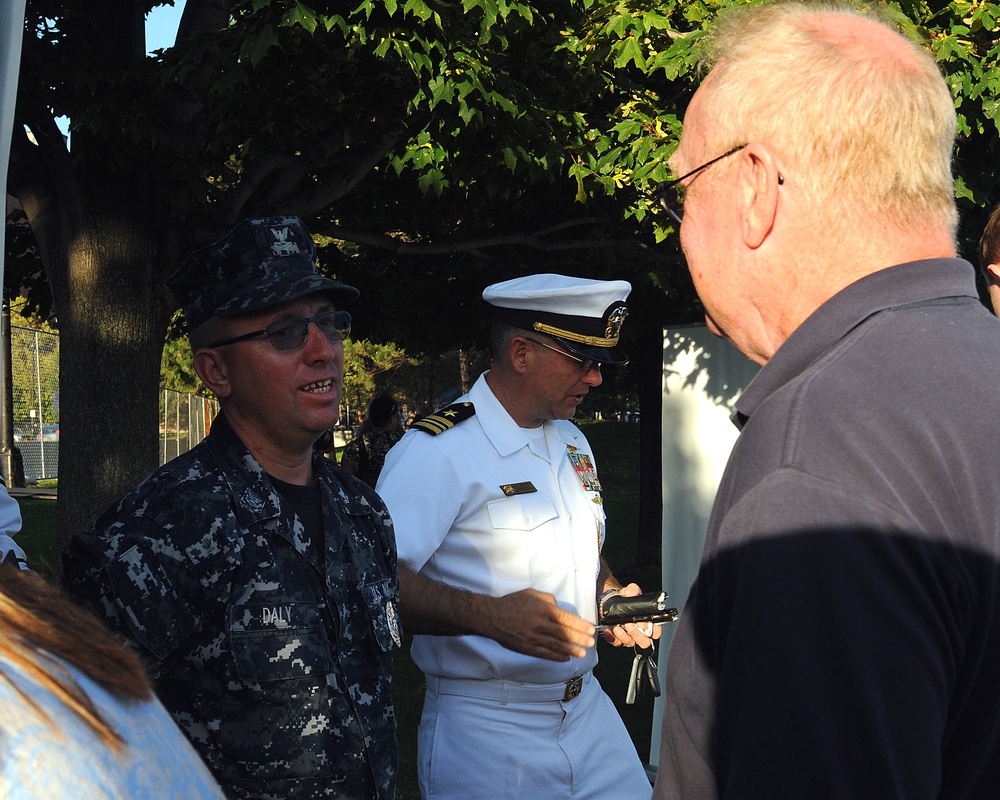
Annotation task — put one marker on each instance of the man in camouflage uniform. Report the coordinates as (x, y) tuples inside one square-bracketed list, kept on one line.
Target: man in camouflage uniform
[(256, 576)]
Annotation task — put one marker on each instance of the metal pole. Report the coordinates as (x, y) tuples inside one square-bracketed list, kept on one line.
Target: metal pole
[(177, 425), (163, 420), (41, 416)]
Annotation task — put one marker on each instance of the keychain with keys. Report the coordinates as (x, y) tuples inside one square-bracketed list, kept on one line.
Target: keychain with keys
[(643, 672)]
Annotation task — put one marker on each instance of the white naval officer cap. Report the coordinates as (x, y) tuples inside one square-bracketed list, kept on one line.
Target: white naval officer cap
[(584, 315)]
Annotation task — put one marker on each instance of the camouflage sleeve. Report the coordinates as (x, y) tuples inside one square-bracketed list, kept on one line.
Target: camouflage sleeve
[(145, 588), (387, 533), (352, 486), (383, 599)]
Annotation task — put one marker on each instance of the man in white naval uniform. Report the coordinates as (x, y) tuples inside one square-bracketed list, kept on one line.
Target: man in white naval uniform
[(500, 523)]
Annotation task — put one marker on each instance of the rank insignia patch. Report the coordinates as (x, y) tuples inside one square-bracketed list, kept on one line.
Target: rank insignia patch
[(446, 418), (252, 500)]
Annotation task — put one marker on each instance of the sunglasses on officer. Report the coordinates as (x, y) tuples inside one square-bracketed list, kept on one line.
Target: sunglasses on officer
[(585, 364)]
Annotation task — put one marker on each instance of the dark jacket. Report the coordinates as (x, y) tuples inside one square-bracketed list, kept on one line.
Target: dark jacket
[(272, 653)]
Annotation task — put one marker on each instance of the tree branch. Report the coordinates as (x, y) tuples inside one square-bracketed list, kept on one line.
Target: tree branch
[(252, 176), (185, 120), (349, 168), (282, 182), (199, 14), (535, 240)]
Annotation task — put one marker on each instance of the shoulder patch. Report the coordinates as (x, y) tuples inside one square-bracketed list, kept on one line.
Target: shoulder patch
[(446, 418)]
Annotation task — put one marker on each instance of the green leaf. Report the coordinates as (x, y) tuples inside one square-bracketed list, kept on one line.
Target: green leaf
[(961, 190), (301, 15), (257, 48), (630, 52), (432, 182), (418, 8)]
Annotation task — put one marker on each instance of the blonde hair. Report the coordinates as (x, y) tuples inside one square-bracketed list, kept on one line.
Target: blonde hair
[(873, 126), (36, 620)]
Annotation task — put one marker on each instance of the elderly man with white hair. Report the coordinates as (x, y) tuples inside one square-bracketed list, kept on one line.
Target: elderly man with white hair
[(842, 638)]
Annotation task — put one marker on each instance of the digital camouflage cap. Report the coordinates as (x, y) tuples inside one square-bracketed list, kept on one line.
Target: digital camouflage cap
[(260, 263)]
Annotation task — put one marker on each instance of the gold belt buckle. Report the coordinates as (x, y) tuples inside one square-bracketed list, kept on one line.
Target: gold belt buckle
[(573, 688)]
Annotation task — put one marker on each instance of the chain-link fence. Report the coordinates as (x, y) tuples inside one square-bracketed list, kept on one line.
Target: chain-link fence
[(34, 360), (184, 421)]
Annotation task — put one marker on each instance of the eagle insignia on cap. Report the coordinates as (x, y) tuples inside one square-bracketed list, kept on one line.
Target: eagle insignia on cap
[(281, 246), (615, 320)]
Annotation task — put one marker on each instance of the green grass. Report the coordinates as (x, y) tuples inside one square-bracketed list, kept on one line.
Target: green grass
[(616, 447), (38, 535)]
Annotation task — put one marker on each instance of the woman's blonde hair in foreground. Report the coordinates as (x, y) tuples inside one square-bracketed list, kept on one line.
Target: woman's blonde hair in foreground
[(37, 620)]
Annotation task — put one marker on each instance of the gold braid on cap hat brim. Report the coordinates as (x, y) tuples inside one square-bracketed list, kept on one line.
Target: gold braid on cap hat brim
[(594, 341)]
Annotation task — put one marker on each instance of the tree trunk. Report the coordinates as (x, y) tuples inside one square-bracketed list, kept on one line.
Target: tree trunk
[(107, 231), (111, 336)]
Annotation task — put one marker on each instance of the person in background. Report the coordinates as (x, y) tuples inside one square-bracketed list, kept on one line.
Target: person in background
[(842, 637), (989, 258), (382, 428), (254, 574), (500, 521), (77, 716)]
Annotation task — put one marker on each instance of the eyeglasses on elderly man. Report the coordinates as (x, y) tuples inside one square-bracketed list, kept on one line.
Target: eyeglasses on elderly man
[(670, 194)]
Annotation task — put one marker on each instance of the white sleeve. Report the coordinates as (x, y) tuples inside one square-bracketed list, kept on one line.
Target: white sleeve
[(423, 494), (10, 524)]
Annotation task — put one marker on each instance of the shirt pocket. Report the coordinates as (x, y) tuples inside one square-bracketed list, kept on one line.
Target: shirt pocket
[(279, 642), (284, 711), (523, 539)]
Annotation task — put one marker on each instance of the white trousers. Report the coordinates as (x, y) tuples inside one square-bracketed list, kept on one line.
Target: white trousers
[(473, 748)]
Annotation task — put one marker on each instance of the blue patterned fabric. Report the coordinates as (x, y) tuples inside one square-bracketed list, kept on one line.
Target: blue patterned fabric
[(64, 758)]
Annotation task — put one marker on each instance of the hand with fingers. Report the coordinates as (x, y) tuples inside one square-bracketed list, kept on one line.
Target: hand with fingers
[(531, 622), (641, 635)]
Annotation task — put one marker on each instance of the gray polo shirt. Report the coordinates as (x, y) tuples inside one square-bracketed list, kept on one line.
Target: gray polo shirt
[(843, 636)]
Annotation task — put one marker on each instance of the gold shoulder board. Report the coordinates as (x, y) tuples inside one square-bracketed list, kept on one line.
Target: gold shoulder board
[(446, 418)]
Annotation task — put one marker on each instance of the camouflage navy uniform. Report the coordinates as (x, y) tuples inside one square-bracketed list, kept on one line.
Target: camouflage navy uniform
[(273, 654)]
